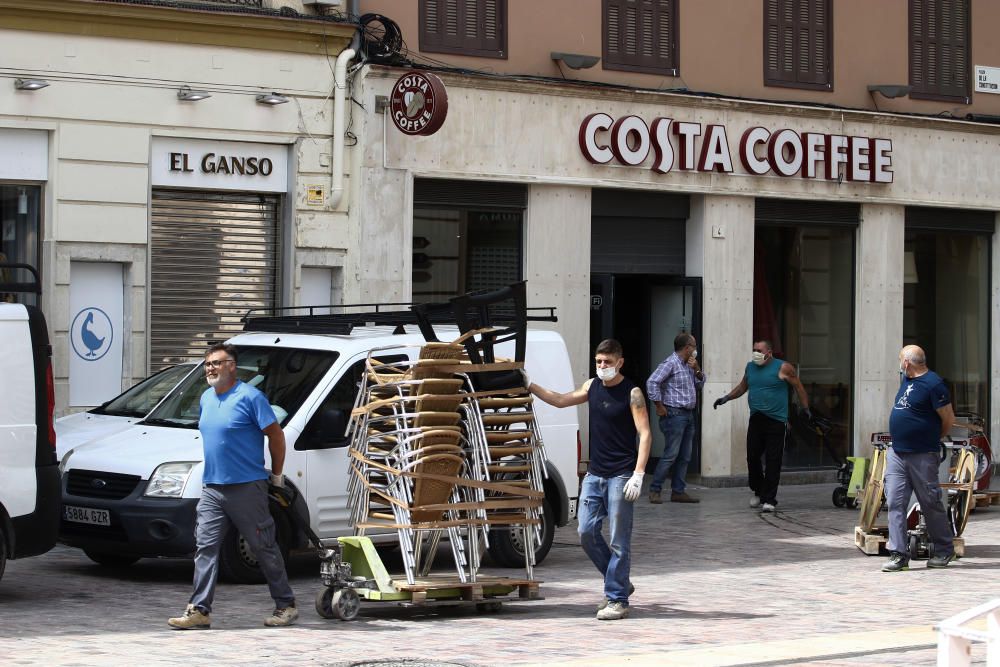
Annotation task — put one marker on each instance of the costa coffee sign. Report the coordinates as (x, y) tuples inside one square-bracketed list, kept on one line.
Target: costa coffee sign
[(418, 104), (689, 146)]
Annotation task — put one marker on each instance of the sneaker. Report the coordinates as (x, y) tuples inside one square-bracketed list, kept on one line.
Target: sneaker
[(755, 501), (940, 561), (282, 617), (631, 590), (898, 563), (613, 612), (654, 497), (193, 619), (766, 507), (683, 498)]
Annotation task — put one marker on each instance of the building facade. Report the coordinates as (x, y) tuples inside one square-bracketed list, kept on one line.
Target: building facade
[(819, 174)]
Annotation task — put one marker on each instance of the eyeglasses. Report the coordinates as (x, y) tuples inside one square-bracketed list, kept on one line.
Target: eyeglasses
[(216, 364)]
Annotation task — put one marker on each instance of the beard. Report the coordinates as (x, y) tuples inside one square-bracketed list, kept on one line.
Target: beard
[(212, 381)]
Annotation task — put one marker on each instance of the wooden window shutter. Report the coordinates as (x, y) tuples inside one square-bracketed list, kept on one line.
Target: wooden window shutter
[(939, 49), (464, 27), (641, 36), (798, 43)]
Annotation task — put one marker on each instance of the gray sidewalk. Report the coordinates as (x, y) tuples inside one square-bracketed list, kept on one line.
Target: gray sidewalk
[(716, 584)]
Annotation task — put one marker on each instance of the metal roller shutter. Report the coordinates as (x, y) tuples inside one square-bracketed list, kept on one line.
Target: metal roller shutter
[(214, 255)]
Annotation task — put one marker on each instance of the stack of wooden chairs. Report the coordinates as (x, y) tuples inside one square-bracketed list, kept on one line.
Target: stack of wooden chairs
[(434, 456)]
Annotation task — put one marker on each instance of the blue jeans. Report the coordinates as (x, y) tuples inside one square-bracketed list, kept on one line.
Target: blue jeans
[(678, 433), (602, 497)]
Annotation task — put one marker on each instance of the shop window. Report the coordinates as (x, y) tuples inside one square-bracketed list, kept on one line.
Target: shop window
[(464, 27), (464, 250), (641, 36), (20, 218), (798, 43), (803, 303), (946, 284), (939, 50)]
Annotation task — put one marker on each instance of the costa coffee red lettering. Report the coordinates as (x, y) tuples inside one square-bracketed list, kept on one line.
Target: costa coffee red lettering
[(783, 152)]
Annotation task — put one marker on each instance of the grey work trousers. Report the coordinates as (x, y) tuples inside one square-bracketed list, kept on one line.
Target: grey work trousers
[(916, 472), (243, 506)]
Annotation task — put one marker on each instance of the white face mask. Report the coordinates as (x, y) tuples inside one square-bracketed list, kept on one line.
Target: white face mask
[(758, 358), (607, 373)]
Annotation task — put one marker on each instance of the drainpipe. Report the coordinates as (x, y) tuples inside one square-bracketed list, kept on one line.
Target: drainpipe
[(339, 110)]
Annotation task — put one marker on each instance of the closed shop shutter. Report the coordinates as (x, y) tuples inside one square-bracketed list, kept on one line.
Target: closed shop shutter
[(214, 256), (638, 232), (800, 212)]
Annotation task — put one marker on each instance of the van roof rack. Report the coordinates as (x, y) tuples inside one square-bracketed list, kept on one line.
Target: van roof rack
[(338, 319), (33, 286)]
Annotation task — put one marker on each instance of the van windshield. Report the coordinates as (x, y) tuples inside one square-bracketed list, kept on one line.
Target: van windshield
[(286, 376), (138, 400)]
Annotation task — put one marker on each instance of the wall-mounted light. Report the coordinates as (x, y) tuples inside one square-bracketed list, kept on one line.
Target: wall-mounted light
[(30, 84), (271, 99), (890, 90), (185, 94), (575, 60)]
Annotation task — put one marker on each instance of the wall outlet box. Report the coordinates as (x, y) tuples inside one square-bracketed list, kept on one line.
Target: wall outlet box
[(718, 232)]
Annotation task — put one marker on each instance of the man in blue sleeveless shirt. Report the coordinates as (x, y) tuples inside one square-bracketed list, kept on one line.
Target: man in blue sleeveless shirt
[(614, 477), (920, 417), (234, 419), (767, 379)]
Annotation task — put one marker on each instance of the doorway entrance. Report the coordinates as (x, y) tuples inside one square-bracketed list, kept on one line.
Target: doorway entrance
[(644, 313)]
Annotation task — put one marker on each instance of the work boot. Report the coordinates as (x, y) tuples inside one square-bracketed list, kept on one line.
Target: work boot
[(613, 612), (683, 497), (940, 561), (193, 619), (281, 617), (755, 501), (899, 563), (654, 497), (631, 590)]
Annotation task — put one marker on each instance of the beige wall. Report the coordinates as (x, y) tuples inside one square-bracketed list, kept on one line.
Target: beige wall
[(721, 43)]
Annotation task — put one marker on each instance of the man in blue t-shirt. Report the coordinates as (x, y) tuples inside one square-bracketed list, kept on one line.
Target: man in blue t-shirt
[(234, 419), (618, 417), (920, 417)]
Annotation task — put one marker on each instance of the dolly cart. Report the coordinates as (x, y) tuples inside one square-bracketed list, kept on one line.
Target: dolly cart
[(851, 476), (354, 572)]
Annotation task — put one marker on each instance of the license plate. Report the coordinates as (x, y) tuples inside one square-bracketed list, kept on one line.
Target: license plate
[(87, 515)]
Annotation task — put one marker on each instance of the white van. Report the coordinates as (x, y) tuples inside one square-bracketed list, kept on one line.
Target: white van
[(120, 412), (133, 494), (29, 476)]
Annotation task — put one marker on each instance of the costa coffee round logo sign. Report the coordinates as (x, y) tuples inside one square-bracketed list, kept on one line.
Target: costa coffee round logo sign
[(419, 103)]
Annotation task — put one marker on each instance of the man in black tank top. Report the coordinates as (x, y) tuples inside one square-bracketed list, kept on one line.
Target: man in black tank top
[(618, 416)]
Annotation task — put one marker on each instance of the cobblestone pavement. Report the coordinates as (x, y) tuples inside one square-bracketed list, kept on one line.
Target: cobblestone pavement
[(716, 584)]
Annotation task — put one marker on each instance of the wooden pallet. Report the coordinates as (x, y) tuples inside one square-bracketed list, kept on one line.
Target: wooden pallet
[(485, 588), (874, 543), (986, 498)]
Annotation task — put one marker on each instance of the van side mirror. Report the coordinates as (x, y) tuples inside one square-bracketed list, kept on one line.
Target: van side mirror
[(324, 431)]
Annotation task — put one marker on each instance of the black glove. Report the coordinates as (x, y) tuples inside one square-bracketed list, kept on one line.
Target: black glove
[(720, 401), (807, 413)]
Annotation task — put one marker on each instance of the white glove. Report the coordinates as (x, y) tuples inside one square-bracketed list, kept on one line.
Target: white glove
[(277, 480), (524, 376), (633, 487)]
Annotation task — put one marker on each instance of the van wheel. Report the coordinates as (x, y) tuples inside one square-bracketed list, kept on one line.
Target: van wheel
[(507, 546), (3, 552), (237, 562), (110, 560)]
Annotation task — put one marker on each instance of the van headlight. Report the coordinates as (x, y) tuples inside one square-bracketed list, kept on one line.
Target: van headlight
[(169, 479)]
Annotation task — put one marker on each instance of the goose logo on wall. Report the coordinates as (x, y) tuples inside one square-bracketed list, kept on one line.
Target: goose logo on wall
[(91, 334)]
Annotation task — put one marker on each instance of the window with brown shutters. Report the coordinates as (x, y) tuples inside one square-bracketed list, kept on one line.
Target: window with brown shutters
[(465, 27), (641, 36), (939, 50), (798, 43)]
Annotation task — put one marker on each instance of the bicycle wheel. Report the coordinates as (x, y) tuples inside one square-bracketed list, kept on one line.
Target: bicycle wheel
[(871, 494), (960, 489)]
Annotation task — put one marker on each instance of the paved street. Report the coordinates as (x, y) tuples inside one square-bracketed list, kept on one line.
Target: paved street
[(716, 584)]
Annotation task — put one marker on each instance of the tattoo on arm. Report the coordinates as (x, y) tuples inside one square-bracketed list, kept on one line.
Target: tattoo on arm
[(636, 399)]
